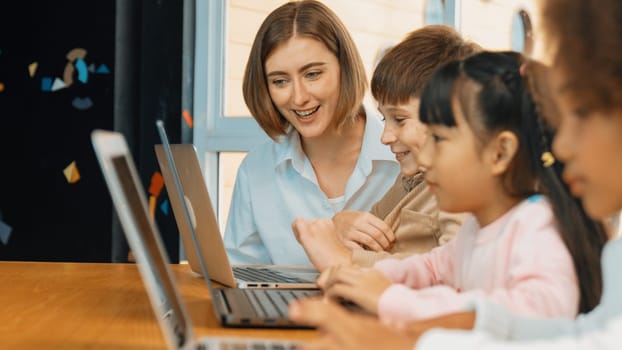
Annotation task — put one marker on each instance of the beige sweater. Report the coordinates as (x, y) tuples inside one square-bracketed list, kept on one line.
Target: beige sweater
[(414, 218)]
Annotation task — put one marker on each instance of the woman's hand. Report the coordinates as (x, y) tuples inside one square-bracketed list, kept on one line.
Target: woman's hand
[(362, 229), (360, 286)]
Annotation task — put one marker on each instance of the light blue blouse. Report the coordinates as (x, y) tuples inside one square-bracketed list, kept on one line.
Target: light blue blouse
[(276, 184)]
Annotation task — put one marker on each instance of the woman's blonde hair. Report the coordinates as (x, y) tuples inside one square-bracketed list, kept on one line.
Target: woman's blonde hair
[(312, 19)]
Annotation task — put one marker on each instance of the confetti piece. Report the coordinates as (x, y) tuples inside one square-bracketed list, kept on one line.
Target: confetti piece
[(76, 53), (5, 232), (92, 67), (73, 55), (58, 84), (102, 69), (157, 182), (83, 72), (165, 206), (32, 69), (46, 84), (1, 87), (152, 205), (68, 74), (71, 173), (187, 117), (82, 103)]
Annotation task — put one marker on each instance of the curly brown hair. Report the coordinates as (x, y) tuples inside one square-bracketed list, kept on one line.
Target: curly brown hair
[(587, 41)]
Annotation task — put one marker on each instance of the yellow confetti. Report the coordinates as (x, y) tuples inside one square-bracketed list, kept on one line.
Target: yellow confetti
[(32, 69), (71, 173), (152, 206)]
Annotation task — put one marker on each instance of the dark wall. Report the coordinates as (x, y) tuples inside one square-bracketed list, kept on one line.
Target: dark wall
[(160, 95), (42, 132)]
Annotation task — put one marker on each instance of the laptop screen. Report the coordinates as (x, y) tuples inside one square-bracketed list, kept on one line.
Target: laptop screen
[(179, 192), (156, 257)]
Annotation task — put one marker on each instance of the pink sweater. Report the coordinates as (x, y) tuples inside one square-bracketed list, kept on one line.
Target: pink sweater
[(518, 261)]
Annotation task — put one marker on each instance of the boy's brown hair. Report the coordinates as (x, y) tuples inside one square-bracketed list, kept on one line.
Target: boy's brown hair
[(406, 67)]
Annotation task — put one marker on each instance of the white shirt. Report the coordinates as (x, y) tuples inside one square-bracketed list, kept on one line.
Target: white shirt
[(600, 329), (276, 184), (337, 203)]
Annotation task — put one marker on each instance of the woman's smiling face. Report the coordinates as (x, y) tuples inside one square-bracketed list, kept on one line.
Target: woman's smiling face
[(303, 79)]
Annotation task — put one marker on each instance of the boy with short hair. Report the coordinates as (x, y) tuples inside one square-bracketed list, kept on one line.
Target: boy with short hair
[(406, 220)]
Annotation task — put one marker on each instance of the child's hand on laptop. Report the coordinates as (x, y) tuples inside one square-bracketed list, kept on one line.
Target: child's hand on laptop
[(341, 329), (361, 286), (321, 243)]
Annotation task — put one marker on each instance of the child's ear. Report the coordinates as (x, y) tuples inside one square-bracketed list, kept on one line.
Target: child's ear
[(505, 146)]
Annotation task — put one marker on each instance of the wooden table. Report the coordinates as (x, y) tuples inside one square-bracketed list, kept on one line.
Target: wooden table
[(98, 306)]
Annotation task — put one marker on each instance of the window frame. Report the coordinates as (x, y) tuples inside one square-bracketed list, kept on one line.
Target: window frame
[(213, 131), (522, 18), (450, 12)]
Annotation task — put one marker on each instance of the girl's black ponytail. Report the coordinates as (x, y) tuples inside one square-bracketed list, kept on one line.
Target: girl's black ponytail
[(584, 237)]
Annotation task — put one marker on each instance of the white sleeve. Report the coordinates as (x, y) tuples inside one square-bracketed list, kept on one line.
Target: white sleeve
[(601, 329), (242, 239), (495, 320), (501, 324), (608, 337)]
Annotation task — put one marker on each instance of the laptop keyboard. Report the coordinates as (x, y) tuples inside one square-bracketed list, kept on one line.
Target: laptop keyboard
[(255, 274), (271, 303), (241, 344)]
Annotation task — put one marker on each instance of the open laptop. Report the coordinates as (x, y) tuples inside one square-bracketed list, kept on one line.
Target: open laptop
[(188, 193), (234, 307)]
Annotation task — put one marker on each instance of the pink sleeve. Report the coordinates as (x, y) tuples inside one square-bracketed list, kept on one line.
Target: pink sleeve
[(422, 270), (401, 303), (540, 280)]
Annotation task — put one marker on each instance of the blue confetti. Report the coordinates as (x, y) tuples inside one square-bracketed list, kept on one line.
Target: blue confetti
[(83, 71), (5, 232), (164, 207), (82, 103), (46, 84), (102, 69)]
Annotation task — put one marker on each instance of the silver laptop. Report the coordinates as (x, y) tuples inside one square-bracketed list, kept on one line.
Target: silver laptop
[(234, 307), (196, 199)]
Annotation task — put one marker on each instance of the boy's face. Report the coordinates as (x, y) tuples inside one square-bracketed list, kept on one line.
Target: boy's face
[(589, 142), (404, 133)]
